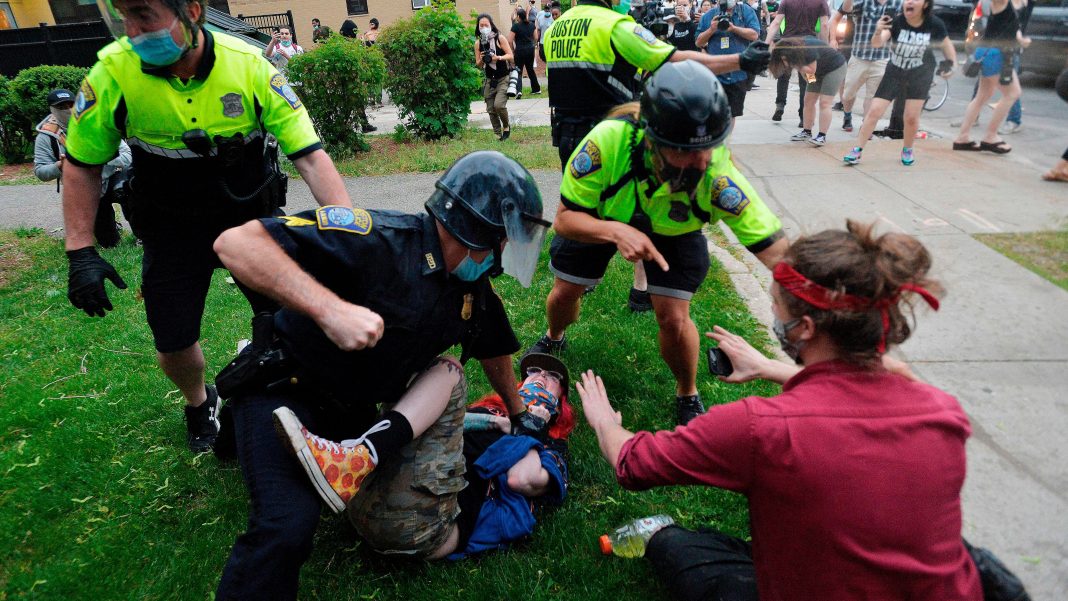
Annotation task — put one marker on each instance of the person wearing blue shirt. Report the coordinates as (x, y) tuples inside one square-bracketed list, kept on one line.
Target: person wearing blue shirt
[(741, 27)]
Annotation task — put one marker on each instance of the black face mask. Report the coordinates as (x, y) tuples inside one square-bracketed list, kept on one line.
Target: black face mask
[(681, 179)]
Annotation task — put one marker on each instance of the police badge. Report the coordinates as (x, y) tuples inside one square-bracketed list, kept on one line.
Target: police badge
[(232, 105)]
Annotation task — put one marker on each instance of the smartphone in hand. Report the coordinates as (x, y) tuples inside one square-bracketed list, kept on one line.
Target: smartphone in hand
[(719, 364), (889, 13)]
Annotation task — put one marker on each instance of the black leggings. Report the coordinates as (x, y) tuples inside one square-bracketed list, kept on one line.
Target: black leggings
[(706, 564), (524, 59)]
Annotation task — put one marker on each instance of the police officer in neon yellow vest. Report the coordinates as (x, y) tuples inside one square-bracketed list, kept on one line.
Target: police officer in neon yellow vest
[(643, 185), (201, 113), (593, 55)]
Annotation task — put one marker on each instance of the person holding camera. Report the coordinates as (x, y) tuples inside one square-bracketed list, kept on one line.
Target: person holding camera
[(912, 68), (683, 33), (524, 37), (727, 29), (281, 48), (866, 62), (493, 54)]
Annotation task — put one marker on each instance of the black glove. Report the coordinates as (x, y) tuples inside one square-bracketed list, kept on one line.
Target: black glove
[(754, 58), (85, 281), (528, 424)]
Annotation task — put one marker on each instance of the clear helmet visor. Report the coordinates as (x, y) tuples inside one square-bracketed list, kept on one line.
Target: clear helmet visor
[(112, 18), (525, 236)]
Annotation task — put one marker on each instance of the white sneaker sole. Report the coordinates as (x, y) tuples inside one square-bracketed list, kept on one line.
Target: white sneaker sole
[(816, 142), (289, 429)]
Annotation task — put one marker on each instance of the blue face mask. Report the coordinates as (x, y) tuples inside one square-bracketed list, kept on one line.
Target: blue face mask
[(623, 7), (468, 270), (536, 394), (158, 48)]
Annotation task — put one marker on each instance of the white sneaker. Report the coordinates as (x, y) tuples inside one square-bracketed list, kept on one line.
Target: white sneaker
[(1009, 128), (817, 140), (801, 136)]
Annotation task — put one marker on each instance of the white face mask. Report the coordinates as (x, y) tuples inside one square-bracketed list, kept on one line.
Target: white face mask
[(485, 31)]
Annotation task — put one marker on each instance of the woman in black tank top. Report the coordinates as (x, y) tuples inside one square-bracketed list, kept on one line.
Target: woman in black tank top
[(493, 54), (994, 54)]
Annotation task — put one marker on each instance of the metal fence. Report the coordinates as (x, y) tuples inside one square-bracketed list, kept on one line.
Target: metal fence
[(268, 23), (72, 44)]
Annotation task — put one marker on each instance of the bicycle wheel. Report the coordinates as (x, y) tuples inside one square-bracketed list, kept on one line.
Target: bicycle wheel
[(937, 95)]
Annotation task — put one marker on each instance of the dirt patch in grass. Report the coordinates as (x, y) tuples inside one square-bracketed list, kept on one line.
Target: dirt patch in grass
[(12, 259), (1045, 253), (17, 175)]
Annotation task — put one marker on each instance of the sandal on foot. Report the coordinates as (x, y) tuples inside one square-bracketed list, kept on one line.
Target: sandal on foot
[(1055, 176), (971, 146), (999, 147)]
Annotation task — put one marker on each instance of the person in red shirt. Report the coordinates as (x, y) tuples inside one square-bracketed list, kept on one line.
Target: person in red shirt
[(853, 474)]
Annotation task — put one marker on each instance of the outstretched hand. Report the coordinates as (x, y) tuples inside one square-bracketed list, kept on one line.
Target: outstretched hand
[(595, 403), (747, 361), (636, 246)]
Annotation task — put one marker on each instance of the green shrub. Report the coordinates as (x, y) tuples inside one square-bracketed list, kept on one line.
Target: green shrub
[(432, 74), (336, 81), (24, 102)]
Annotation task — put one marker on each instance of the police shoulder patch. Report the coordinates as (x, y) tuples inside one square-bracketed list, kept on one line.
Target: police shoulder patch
[(586, 161), (346, 219), (86, 99), (645, 34), (727, 196), (283, 89)]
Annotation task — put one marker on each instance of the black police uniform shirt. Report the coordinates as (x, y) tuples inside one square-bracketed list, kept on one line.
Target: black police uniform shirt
[(392, 264)]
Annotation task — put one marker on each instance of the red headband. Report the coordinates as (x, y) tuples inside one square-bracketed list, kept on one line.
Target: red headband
[(823, 298)]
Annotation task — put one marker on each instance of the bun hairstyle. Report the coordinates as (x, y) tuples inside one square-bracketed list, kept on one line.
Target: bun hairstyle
[(880, 269)]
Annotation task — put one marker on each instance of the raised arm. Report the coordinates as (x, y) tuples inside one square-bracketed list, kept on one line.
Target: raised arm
[(255, 258)]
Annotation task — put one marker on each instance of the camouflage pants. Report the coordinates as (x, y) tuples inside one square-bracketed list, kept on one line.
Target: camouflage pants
[(407, 506)]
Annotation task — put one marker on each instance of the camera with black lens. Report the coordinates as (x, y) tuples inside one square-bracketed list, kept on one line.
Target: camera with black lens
[(658, 16), (723, 19), (487, 54)]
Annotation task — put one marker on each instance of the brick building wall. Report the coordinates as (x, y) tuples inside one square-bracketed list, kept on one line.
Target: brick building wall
[(333, 12)]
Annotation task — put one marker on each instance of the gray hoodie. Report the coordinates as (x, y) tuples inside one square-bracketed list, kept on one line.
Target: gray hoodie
[(50, 137)]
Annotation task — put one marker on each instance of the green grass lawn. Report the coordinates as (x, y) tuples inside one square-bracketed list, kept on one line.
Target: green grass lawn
[(1045, 253), (99, 499), (528, 145)]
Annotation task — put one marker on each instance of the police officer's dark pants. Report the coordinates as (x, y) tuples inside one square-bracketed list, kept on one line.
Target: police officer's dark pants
[(284, 509), (569, 131), (783, 85), (707, 564)]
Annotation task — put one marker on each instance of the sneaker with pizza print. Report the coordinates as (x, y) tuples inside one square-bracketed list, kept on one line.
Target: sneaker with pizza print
[(336, 469)]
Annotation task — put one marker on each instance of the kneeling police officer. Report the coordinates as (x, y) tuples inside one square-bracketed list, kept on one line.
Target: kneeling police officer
[(370, 301), (643, 184), (204, 115)]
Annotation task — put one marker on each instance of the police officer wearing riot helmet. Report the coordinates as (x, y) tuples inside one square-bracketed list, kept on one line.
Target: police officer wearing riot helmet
[(370, 301), (644, 185), (593, 55), (195, 108)]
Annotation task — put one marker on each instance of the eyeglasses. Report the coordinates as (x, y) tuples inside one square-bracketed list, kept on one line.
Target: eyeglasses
[(552, 375)]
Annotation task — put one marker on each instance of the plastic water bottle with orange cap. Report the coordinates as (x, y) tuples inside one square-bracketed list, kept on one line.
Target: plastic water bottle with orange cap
[(630, 539)]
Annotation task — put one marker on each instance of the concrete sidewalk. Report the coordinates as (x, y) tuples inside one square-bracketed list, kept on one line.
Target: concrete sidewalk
[(1000, 341)]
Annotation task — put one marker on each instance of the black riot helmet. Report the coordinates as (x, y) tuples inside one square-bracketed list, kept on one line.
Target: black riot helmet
[(486, 198), (684, 106)]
